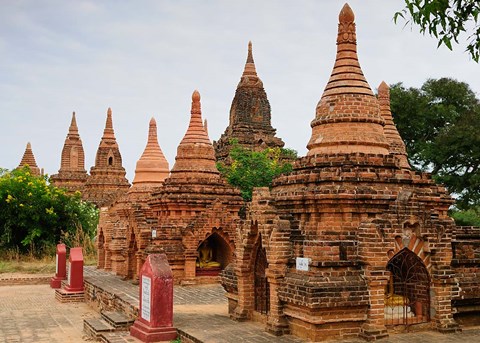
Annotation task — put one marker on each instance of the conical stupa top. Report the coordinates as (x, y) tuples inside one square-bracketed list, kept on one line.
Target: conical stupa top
[(196, 132), (195, 153), (152, 167), (396, 144), (347, 75), (347, 117), (249, 77), (108, 131), (73, 129), (29, 159)]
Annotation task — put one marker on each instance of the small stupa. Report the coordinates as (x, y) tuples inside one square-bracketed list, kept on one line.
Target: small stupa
[(28, 159)]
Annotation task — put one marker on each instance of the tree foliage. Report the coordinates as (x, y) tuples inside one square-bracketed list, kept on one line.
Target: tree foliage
[(446, 20), (440, 124), (35, 215), (250, 169)]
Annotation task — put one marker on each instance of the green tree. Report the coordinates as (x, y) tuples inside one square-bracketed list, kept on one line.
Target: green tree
[(440, 124), (34, 215), (446, 20), (250, 169)]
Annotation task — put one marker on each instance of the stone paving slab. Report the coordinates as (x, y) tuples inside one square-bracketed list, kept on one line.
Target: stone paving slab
[(31, 314)]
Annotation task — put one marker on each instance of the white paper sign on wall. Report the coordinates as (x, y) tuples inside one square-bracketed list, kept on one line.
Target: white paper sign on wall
[(302, 263), (154, 233), (146, 296)]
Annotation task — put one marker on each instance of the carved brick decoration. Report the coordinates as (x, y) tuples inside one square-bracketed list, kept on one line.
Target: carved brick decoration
[(195, 204), (107, 179), (72, 174), (250, 115), (351, 211), (28, 159)]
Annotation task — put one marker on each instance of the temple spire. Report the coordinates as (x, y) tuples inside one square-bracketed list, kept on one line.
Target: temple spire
[(73, 129), (195, 154), (347, 117), (108, 131), (249, 77), (396, 144), (196, 132), (29, 159)]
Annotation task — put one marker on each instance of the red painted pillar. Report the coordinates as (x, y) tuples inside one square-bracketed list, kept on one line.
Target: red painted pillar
[(75, 271), (61, 266), (155, 322)]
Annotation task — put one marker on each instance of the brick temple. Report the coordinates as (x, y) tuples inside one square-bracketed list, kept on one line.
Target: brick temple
[(196, 209), (352, 242)]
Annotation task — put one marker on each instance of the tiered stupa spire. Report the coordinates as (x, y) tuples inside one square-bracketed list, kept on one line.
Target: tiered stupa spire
[(195, 153), (152, 167), (347, 117), (72, 174), (250, 115), (29, 159), (397, 146)]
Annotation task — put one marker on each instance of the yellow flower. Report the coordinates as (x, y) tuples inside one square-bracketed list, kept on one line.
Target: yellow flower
[(21, 205), (30, 194)]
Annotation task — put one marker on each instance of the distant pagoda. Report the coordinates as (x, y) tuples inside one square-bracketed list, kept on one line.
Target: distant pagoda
[(250, 116), (28, 159), (107, 180), (72, 174)]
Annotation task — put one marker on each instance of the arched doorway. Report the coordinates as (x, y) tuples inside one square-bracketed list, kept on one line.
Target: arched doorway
[(262, 289), (407, 299), (213, 255)]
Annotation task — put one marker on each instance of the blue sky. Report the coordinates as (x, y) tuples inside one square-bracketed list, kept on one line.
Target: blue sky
[(145, 58)]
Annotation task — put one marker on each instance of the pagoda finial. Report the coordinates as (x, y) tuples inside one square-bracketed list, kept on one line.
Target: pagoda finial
[(250, 53), (73, 129), (196, 132), (108, 132), (196, 106), (249, 76), (346, 15)]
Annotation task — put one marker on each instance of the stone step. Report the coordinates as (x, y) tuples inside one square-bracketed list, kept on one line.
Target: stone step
[(117, 319), (118, 337), (94, 327)]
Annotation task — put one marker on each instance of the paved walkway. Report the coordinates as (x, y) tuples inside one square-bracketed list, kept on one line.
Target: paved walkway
[(31, 314)]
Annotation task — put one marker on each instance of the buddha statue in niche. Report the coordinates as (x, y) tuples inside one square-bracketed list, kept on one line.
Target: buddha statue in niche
[(205, 256)]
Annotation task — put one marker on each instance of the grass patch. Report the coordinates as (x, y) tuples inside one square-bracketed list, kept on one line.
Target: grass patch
[(13, 262), (28, 265)]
